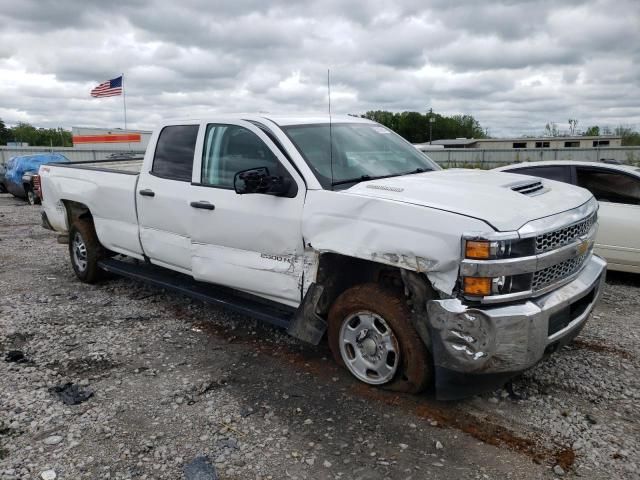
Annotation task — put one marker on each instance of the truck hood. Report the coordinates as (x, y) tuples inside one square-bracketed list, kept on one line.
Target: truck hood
[(482, 194)]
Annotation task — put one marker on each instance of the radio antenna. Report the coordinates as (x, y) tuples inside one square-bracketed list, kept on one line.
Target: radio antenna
[(330, 136)]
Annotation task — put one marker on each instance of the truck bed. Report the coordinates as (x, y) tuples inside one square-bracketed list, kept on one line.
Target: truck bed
[(130, 166), (107, 188)]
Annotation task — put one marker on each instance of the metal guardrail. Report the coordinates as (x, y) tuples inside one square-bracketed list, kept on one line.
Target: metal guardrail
[(481, 158), (72, 153)]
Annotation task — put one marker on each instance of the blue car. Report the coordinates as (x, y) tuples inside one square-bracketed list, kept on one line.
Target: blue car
[(21, 170)]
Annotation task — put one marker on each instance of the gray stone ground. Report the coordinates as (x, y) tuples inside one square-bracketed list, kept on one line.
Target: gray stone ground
[(174, 379)]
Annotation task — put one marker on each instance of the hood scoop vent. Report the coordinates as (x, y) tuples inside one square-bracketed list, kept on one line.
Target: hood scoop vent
[(530, 189)]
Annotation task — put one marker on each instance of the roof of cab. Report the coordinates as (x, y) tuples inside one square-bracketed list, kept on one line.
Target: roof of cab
[(280, 120), (285, 120)]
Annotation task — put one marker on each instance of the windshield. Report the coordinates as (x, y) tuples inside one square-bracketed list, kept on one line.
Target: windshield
[(360, 151)]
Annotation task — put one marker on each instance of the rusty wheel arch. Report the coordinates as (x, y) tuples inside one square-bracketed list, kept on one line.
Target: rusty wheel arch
[(337, 273), (76, 210)]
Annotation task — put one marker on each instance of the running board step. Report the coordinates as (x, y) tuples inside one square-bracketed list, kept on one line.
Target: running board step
[(244, 303)]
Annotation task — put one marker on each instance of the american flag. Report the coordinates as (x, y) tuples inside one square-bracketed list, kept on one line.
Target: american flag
[(110, 88)]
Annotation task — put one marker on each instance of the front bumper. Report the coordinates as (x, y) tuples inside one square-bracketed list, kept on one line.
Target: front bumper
[(477, 349)]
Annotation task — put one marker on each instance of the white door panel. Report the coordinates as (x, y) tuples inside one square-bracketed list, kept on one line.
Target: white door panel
[(165, 221), (163, 197), (275, 277), (618, 239), (251, 242)]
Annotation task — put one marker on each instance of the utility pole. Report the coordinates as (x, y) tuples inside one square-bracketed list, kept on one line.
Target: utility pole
[(431, 121)]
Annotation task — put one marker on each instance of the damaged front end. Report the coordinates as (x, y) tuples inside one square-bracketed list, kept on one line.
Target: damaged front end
[(480, 340)]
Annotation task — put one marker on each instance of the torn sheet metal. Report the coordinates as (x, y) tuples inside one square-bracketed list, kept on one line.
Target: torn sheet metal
[(408, 236), (511, 337)]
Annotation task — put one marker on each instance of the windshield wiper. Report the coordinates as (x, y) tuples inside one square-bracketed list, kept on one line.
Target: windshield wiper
[(364, 178)]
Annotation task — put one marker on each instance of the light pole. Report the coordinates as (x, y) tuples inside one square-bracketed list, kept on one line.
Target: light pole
[(431, 121)]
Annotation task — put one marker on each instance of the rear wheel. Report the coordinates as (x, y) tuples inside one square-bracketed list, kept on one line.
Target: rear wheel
[(85, 251), (370, 333), (32, 198)]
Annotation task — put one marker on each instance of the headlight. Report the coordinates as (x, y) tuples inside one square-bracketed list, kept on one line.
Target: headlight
[(480, 249), (487, 250)]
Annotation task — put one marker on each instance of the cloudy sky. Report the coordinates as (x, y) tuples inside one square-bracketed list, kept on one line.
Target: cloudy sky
[(514, 65)]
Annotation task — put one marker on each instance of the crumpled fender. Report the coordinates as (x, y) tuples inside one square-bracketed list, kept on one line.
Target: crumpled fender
[(404, 235)]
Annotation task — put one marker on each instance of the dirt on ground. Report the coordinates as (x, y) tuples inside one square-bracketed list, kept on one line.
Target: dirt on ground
[(153, 380)]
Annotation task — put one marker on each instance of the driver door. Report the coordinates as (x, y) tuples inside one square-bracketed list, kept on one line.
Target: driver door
[(251, 242)]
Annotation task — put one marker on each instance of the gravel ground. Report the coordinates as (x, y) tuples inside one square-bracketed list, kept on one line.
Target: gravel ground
[(173, 379)]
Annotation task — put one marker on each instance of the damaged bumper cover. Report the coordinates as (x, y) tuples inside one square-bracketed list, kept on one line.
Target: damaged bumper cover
[(477, 349)]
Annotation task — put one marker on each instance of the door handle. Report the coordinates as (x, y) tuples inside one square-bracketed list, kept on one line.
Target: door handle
[(203, 205), (147, 193)]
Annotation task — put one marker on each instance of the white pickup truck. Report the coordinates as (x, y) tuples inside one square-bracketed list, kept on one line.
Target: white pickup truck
[(417, 275)]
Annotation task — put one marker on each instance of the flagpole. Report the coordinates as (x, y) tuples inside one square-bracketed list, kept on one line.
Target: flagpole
[(124, 103)]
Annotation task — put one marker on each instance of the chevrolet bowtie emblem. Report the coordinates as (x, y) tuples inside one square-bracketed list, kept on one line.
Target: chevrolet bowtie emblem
[(583, 247)]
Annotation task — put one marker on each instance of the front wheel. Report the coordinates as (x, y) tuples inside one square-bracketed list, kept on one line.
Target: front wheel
[(370, 333), (85, 251)]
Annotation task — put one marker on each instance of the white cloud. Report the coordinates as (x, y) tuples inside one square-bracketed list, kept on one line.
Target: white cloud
[(514, 65)]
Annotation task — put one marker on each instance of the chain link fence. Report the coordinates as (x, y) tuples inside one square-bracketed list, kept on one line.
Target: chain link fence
[(481, 158)]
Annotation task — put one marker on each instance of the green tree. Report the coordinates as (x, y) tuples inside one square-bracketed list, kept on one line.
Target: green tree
[(414, 126), (24, 132), (4, 133), (630, 138), (42, 137), (593, 131)]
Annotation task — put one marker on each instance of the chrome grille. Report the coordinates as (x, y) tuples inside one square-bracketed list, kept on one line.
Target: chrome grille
[(564, 236), (555, 273)]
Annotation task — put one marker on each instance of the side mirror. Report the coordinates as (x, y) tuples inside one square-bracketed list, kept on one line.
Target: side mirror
[(258, 180)]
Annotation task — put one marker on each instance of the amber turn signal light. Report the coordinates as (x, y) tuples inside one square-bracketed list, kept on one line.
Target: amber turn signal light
[(477, 249), (477, 286)]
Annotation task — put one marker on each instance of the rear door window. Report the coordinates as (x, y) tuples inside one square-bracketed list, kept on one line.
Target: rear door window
[(173, 157), (560, 173), (610, 186)]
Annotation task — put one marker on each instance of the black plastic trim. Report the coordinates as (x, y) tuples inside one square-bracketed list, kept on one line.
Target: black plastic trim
[(219, 187), (275, 313), (167, 177)]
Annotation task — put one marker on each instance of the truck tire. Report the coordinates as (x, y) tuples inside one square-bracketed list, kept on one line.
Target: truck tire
[(85, 251), (32, 198), (370, 333)]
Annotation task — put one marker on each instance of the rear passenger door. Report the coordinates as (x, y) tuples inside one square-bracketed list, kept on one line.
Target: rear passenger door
[(618, 237), (163, 198), (252, 242)]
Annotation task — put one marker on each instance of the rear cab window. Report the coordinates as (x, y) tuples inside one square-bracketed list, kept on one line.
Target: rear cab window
[(173, 158)]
